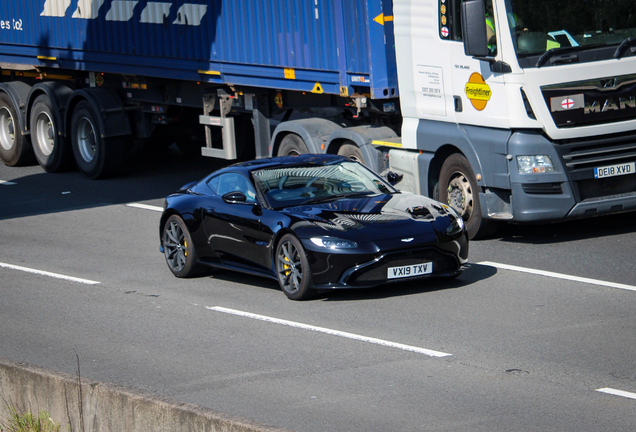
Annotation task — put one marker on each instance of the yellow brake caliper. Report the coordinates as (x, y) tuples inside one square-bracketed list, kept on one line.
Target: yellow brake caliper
[(287, 267)]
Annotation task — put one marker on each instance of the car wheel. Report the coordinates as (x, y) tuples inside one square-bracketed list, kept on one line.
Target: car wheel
[(96, 157), (292, 268), (15, 149), (292, 145), (52, 151), (459, 189), (352, 152), (179, 249)]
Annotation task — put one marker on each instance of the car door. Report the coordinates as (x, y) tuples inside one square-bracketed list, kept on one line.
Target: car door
[(234, 229)]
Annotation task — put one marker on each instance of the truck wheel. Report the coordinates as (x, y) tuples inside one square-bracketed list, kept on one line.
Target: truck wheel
[(459, 189), (15, 149), (96, 157), (292, 145), (52, 151), (351, 151)]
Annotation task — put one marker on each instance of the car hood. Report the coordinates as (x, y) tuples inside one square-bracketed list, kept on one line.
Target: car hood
[(380, 217)]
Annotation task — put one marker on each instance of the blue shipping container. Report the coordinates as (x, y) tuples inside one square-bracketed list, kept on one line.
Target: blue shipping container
[(332, 46)]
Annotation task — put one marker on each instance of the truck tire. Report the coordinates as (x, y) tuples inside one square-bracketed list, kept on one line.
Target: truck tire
[(52, 150), (351, 151), (292, 145), (15, 149), (459, 189), (96, 156)]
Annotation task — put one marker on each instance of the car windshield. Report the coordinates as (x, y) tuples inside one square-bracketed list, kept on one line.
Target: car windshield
[(297, 185), (570, 25)]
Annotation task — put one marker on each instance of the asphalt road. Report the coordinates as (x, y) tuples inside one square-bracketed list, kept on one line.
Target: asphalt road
[(518, 350)]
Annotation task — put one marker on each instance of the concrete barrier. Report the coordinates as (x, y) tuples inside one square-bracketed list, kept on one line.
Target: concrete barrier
[(99, 407)]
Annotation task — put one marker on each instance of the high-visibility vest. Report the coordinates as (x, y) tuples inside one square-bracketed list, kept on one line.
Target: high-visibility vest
[(491, 24)]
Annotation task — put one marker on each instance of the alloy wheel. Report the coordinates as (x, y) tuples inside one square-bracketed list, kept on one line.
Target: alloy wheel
[(290, 268), (176, 246)]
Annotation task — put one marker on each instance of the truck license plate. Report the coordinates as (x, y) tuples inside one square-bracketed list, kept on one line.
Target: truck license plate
[(614, 170), (410, 270)]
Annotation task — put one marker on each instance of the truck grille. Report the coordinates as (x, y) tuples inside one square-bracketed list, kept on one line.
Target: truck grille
[(581, 156)]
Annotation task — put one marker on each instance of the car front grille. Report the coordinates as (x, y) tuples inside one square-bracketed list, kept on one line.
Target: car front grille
[(444, 263)]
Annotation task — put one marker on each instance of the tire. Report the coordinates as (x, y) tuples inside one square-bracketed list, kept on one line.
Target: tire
[(292, 268), (352, 151), (15, 149), (179, 250), (52, 150), (96, 156), (292, 145), (459, 189)]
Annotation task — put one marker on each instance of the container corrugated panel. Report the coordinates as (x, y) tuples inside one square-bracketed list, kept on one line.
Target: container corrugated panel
[(291, 44)]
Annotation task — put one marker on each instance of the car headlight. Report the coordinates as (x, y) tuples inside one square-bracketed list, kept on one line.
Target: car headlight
[(333, 243), (456, 225), (539, 164)]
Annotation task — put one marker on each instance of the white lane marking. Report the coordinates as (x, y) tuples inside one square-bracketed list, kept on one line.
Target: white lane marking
[(330, 332), (45, 273), (617, 392), (145, 207), (559, 276), (7, 183)]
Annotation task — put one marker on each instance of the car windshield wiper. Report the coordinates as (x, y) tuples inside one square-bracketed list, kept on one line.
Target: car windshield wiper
[(563, 54), (629, 42)]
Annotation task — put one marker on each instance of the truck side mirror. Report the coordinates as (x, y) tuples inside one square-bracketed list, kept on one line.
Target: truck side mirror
[(474, 30)]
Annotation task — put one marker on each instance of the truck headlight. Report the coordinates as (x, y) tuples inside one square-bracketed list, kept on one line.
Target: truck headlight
[(333, 243), (539, 164)]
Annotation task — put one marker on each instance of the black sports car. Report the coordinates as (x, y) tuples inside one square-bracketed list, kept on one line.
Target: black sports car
[(312, 222)]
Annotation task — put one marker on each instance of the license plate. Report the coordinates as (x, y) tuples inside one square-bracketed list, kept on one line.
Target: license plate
[(410, 270), (614, 170)]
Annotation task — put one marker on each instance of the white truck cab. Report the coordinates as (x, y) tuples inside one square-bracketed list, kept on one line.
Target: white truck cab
[(518, 110)]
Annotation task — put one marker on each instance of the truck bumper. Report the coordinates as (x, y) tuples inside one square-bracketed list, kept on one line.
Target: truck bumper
[(571, 191), (543, 208)]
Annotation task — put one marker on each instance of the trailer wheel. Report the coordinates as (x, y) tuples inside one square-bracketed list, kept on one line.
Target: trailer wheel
[(351, 151), (459, 189), (15, 149), (52, 151), (292, 145), (96, 156)]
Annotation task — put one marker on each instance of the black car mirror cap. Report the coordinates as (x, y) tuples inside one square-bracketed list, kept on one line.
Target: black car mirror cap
[(392, 177), (235, 197)]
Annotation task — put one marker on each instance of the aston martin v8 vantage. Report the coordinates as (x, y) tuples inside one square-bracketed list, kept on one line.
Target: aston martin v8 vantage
[(311, 222)]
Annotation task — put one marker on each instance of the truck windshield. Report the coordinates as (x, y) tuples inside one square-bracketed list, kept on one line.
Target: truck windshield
[(566, 29)]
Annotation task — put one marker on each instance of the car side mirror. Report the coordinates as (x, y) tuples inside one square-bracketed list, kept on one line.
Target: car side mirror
[(235, 197), (393, 177)]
